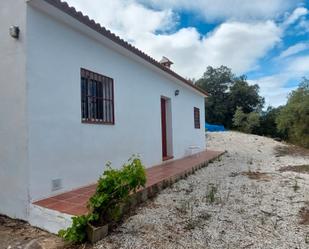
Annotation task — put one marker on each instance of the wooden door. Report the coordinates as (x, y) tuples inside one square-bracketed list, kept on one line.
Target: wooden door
[(163, 125)]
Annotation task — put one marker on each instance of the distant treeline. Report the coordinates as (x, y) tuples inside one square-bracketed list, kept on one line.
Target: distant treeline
[(236, 104)]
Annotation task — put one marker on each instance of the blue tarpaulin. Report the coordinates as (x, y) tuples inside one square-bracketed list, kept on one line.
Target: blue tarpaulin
[(212, 127)]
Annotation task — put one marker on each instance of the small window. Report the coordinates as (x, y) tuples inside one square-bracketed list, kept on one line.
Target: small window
[(97, 98), (197, 123)]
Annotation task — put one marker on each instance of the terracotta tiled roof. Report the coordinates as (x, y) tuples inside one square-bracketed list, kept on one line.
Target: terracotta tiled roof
[(63, 6)]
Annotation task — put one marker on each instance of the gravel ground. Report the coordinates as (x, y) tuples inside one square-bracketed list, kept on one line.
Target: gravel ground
[(16, 234), (239, 201)]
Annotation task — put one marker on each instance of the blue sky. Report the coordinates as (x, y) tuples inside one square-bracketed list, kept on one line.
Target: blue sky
[(268, 40)]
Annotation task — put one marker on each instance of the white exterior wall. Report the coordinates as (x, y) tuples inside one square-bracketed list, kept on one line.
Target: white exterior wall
[(14, 171), (60, 146)]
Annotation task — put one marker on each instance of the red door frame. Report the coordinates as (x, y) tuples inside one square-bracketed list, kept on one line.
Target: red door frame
[(163, 126)]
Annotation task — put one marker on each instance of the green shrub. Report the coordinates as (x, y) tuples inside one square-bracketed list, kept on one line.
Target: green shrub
[(293, 118), (77, 232), (113, 190), (211, 196), (246, 122)]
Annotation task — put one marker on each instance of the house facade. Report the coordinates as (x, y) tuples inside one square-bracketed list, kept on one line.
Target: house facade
[(74, 96)]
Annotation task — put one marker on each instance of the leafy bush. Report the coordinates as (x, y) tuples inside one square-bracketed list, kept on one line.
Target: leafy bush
[(77, 232), (294, 117), (246, 122), (113, 190), (268, 125), (115, 186)]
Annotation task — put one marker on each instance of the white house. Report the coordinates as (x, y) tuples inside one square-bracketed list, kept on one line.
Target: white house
[(74, 96)]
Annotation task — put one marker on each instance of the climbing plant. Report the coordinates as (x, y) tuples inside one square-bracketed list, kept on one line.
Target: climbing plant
[(113, 190)]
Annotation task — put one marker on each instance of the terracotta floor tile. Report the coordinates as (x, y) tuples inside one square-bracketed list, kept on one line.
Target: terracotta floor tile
[(62, 206), (46, 202), (78, 210), (81, 191), (64, 196), (75, 202), (89, 193), (80, 200), (92, 187)]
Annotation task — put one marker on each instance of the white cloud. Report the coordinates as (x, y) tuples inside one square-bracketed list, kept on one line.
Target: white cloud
[(126, 18), (237, 42), (295, 49), (240, 45), (220, 10), (278, 97), (300, 66), (230, 44), (275, 88), (303, 26), (295, 16)]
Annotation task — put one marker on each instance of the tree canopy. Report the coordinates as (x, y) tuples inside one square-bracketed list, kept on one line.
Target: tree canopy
[(294, 117), (246, 122), (227, 92), (268, 125)]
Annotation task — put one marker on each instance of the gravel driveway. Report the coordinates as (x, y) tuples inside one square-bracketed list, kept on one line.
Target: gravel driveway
[(240, 201)]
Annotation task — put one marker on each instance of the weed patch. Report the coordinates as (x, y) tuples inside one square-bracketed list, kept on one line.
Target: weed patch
[(298, 169), (256, 175), (291, 150), (304, 216), (211, 195), (296, 186)]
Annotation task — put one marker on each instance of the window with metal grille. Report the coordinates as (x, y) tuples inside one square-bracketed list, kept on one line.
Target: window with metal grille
[(197, 123), (97, 98)]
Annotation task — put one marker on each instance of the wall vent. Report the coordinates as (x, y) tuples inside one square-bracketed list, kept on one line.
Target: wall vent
[(56, 184)]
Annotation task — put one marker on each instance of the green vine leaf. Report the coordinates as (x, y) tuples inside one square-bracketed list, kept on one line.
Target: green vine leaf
[(113, 190)]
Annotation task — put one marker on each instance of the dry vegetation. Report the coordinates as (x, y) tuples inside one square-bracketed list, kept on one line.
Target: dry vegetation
[(290, 150), (299, 169), (257, 176), (304, 215), (16, 234)]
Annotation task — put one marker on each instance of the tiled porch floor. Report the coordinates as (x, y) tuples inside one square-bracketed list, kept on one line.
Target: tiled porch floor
[(75, 202)]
